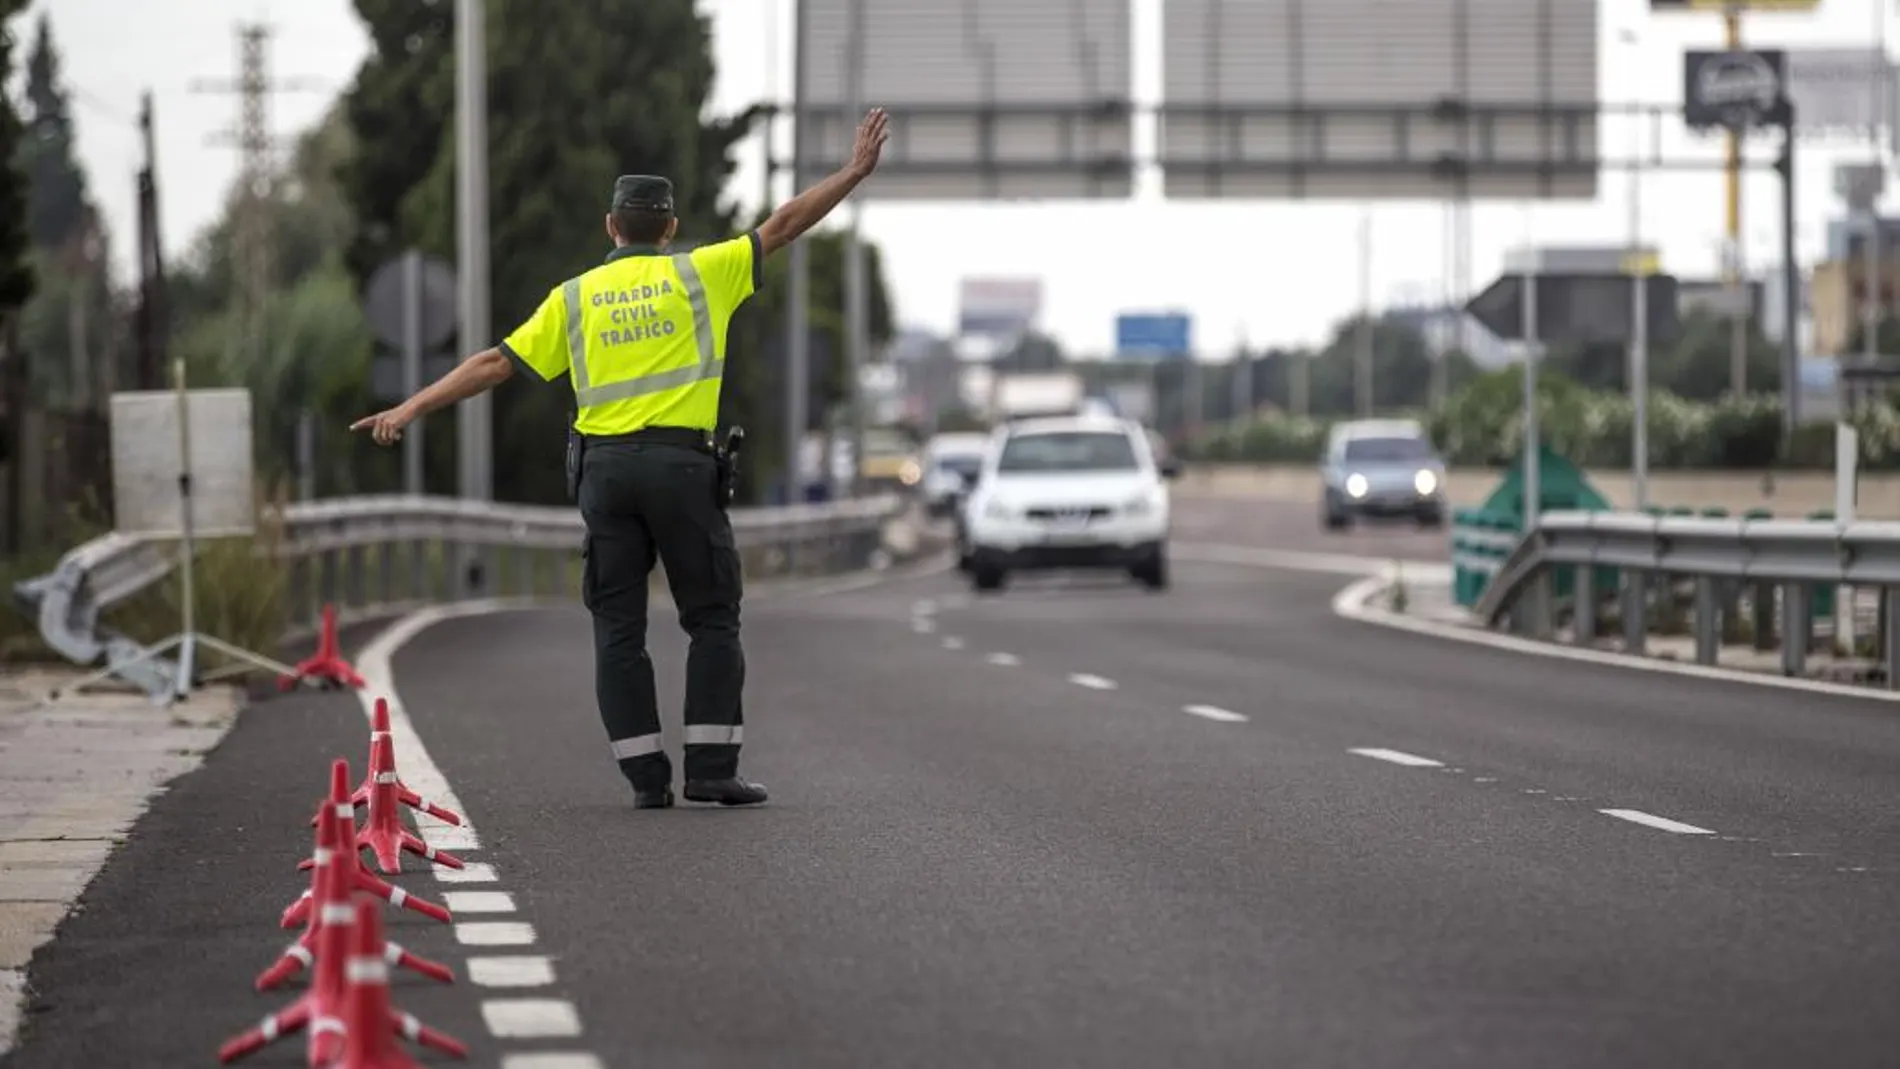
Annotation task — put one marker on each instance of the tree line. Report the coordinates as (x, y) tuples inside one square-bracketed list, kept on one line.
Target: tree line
[(576, 95)]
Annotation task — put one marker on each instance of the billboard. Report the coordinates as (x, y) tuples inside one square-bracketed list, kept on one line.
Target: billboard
[(1377, 99), (1841, 90), (999, 308), (1153, 334), (987, 98)]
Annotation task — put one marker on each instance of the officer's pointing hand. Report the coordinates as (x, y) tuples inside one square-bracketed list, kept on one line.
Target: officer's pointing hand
[(872, 133), (384, 427)]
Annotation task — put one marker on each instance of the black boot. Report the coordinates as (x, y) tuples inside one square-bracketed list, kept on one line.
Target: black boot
[(658, 798), (732, 791)]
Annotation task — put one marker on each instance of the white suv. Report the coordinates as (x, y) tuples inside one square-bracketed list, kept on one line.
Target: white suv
[(1068, 492)]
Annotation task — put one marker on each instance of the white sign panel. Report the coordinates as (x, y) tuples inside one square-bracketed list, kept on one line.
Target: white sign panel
[(998, 307), (146, 463), (1840, 90)]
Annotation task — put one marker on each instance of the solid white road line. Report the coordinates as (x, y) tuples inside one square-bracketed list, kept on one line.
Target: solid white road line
[(550, 1061), (1083, 679), (952, 642), (525, 970), (1637, 816), (494, 934), (524, 1018), (1004, 659), (479, 902), (1214, 712), (1399, 757), (473, 872), (419, 771)]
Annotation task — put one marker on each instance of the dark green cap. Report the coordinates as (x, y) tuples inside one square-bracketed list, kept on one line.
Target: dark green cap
[(643, 192)]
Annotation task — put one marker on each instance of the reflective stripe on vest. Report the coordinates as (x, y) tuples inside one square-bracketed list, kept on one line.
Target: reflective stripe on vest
[(587, 395)]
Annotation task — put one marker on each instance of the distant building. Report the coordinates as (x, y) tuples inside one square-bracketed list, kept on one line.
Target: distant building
[(1838, 290), (1846, 238)]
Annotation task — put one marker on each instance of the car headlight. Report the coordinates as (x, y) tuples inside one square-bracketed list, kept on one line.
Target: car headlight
[(910, 473), (1356, 485), (1141, 505), (1425, 481)]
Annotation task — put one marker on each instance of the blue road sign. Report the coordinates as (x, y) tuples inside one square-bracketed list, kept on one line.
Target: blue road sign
[(1151, 334)]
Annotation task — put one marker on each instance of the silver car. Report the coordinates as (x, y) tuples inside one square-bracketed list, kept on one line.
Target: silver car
[(1381, 468)]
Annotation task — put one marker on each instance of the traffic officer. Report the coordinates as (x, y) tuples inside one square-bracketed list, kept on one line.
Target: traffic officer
[(642, 340)]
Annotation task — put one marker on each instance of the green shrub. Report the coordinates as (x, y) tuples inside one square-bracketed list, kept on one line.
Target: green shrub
[(1482, 425)]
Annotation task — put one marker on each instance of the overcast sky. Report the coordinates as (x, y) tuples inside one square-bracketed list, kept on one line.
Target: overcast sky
[(1297, 266)]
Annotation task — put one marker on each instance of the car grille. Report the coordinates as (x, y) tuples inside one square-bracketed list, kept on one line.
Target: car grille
[(1069, 514)]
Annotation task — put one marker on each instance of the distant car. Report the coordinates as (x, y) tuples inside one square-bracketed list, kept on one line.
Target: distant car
[(950, 461), (890, 461), (1381, 468), (1075, 492)]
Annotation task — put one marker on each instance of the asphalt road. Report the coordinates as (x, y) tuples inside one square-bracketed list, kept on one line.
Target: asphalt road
[(1082, 824)]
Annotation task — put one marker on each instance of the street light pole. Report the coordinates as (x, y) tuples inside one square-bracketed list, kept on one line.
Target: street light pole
[(475, 476), (1639, 270)]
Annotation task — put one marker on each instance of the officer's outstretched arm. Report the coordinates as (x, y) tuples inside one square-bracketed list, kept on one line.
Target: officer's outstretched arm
[(804, 211)]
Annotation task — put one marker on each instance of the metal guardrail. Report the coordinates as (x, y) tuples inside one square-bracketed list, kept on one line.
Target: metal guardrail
[(1775, 566), (377, 554)]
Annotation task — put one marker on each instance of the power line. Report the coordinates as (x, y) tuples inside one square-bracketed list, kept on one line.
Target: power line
[(257, 173)]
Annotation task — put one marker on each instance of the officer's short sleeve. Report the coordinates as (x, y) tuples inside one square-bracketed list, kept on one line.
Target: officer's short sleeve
[(540, 344), (733, 267)]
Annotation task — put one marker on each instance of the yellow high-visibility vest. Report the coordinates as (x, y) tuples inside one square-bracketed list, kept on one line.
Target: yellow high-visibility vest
[(643, 336)]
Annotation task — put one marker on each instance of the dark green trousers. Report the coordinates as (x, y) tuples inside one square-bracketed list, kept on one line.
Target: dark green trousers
[(655, 501)]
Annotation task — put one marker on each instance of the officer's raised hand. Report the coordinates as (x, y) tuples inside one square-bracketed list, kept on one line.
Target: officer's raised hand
[(872, 133), (802, 212)]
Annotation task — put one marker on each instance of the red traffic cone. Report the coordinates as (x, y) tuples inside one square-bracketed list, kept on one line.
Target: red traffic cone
[(340, 826), (379, 729), (383, 832), (370, 1024), (335, 837), (327, 665), (326, 950)]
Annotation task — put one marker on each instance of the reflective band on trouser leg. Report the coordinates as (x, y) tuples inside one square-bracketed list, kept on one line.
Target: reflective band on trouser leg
[(709, 368), (715, 734), (639, 745)]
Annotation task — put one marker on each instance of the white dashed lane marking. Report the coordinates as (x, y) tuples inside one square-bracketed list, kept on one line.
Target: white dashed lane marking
[(1083, 679), (1214, 712), (952, 642), (1637, 816), (472, 872), (521, 1018), (550, 1061), (494, 934), (531, 1018), (460, 902), (1004, 659), (1399, 757), (523, 970)]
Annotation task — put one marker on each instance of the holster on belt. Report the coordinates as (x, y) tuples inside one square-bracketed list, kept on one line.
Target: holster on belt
[(576, 445), (726, 456)]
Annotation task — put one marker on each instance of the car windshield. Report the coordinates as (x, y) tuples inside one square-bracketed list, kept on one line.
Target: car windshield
[(1068, 451), (1388, 449)]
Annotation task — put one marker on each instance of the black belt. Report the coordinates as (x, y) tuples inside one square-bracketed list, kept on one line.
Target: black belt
[(688, 437)]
